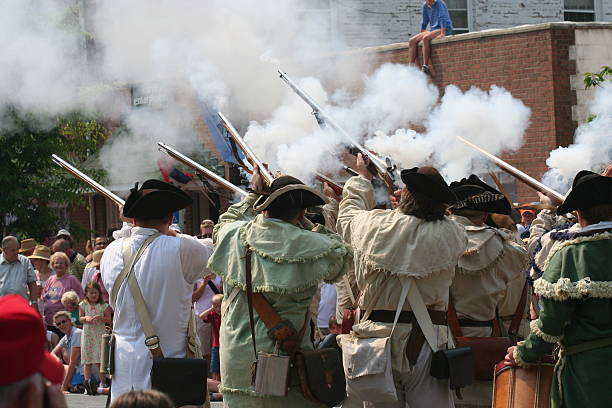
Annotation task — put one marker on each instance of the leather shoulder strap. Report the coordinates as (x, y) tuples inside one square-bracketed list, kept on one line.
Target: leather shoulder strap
[(151, 339), (518, 314), (249, 293), (451, 318)]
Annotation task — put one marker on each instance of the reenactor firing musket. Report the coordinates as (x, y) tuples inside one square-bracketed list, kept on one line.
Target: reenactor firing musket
[(513, 171), (201, 169), (87, 180), (246, 149), (331, 183), (377, 166)]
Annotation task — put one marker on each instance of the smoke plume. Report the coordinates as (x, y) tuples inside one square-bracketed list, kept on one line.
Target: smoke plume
[(592, 147)]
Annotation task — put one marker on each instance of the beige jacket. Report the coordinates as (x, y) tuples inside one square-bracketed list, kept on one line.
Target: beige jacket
[(490, 275), (390, 247)]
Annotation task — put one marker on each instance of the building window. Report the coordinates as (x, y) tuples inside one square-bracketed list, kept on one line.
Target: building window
[(579, 10), (458, 10)]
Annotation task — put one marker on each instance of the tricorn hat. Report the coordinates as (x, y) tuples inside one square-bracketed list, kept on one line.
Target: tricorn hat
[(428, 181), (588, 190), (474, 194), (155, 199), (289, 192)]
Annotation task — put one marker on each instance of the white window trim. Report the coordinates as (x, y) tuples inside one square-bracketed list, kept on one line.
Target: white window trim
[(469, 16)]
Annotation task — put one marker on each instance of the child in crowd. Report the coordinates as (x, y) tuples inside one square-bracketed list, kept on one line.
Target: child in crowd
[(213, 316), (93, 313), (70, 300), (143, 399)]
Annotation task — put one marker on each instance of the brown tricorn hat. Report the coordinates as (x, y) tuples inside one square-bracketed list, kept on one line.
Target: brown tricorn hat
[(287, 191)]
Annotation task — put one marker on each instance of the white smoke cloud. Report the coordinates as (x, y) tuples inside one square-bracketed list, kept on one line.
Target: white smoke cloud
[(592, 147), (493, 120)]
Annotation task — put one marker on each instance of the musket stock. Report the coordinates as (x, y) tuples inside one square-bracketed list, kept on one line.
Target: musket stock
[(246, 149), (377, 165), (203, 170), (513, 171), (87, 180), (331, 183)]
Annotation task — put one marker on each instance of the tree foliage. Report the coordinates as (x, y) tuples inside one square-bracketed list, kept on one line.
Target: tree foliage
[(30, 180), (592, 79)]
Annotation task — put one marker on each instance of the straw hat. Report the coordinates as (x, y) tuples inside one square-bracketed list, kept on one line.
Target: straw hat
[(27, 244), (96, 257), (41, 252)]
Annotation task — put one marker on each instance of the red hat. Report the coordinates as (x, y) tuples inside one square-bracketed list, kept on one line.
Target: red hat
[(22, 343)]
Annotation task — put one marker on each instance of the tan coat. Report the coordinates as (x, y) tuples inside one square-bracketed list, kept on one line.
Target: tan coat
[(490, 275), (389, 247)]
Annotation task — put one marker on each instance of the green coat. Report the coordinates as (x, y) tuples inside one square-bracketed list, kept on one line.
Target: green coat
[(288, 263), (576, 295)]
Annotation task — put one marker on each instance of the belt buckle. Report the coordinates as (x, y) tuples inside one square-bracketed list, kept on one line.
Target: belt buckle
[(152, 342)]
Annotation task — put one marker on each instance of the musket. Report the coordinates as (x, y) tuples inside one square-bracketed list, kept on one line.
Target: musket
[(199, 168), (513, 171), (376, 165), (87, 180), (246, 149), (331, 183)]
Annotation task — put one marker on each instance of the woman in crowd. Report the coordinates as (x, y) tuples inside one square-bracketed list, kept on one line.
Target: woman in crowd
[(56, 286)]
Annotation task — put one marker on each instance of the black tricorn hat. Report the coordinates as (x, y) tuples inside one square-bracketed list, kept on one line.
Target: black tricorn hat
[(428, 181), (588, 190), (155, 199), (289, 192), (474, 194)]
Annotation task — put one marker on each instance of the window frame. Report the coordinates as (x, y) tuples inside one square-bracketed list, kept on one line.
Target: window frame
[(468, 16), (596, 11)]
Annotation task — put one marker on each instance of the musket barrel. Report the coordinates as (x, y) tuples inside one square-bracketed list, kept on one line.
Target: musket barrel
[(513, 171), (378, 162), (198, 167), (265, 173), (87, 180)]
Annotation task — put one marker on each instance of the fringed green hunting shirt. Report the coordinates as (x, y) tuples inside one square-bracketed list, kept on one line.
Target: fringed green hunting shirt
[(288, 263), (576, 294)]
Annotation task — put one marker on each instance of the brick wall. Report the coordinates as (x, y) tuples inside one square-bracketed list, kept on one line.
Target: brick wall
[(531, 62)]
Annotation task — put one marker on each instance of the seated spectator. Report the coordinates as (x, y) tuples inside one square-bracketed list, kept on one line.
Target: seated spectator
[(56, 286), (77, 261), (213, 316), (143, 399), (68, 352), (435, 15), (51, 340), (28, 372), (27, 246), (92, 267), (71, 301)]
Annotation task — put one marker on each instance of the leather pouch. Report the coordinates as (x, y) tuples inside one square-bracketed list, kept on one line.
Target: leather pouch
[(486, 352), (455, 364), (321, 376), (183, 379)]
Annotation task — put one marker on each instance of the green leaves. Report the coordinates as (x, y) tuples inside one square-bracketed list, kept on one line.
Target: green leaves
[(592, 79), (30, 180)]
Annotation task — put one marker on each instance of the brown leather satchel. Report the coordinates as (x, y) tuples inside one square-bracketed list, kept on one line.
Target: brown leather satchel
[(487, 351), (320, 372)]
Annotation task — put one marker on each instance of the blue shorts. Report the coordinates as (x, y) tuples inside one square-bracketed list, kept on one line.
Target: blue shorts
[(214, 360)]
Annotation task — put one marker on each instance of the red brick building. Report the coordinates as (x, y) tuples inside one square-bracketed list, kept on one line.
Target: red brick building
[(542, 65)]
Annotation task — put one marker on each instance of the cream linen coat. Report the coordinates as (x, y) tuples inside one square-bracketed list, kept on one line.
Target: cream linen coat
[(390, 246), (490, 275)]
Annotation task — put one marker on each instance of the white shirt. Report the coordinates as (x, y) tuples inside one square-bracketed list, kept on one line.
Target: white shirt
[(327, 305), (165, 273)]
